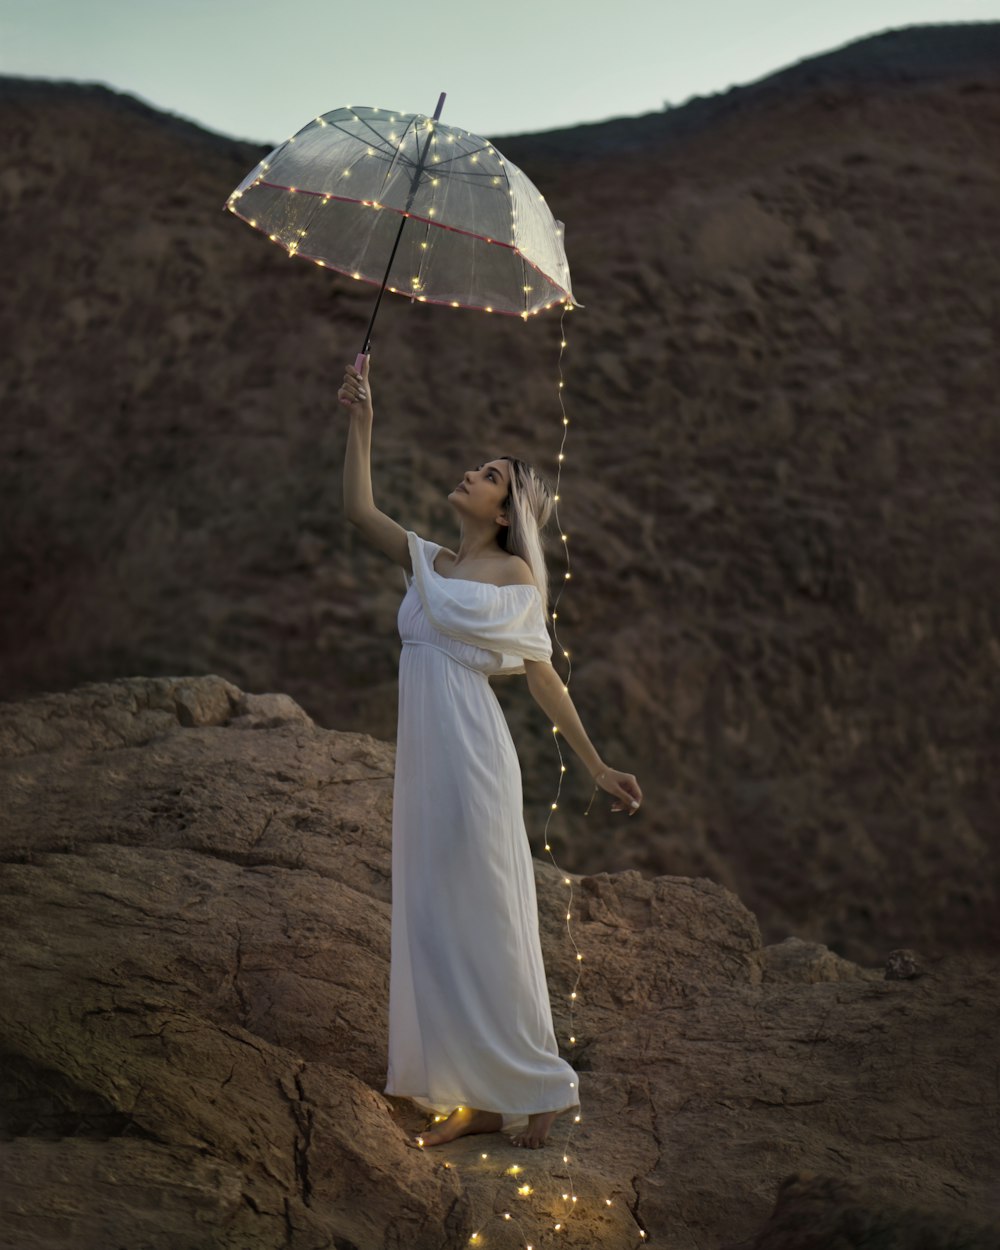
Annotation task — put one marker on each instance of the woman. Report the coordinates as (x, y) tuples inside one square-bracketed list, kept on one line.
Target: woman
[(470, 1024)]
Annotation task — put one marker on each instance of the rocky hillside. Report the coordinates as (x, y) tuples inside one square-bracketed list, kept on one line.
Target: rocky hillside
[(780, 483), (194, 920)]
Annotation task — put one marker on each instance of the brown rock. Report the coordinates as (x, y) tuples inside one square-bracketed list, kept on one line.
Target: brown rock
[(814, 1212), (195, 935), (902, 964)]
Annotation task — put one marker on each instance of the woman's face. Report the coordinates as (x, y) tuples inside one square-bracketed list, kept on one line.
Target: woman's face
[(482, 490)]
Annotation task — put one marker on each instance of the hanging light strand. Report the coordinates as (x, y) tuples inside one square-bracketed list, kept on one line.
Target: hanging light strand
[(567, 1189), (514, 1186)]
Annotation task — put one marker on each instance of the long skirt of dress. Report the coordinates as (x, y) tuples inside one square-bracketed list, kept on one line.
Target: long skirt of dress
[(470, 1022)]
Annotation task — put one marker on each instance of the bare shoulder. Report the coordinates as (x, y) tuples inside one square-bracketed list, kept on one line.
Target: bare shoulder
[(516, 572)]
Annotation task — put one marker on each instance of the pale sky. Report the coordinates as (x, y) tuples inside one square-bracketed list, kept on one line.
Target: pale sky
[(261, 71)]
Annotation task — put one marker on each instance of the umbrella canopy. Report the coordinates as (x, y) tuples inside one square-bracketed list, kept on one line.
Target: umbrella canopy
[(478, 232)]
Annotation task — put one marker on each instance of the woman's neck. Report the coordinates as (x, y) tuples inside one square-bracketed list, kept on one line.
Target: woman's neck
[(476, 541)]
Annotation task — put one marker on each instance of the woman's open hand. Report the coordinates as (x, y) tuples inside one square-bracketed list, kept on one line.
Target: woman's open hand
[(355, 392), (623, 786)]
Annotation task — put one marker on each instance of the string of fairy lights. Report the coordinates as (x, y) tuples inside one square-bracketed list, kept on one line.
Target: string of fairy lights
[(513, 1180), (564, 1190)]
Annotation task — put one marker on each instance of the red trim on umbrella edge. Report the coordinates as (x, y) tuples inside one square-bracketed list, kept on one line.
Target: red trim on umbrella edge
[(440, 225), (419, 299)]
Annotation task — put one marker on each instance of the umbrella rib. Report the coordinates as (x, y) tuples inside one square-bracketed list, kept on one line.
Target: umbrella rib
[(368, 126), (388, 172), (350, 135), (461, 156)]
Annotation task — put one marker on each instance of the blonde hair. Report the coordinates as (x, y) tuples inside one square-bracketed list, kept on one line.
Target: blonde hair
[(529, 505)]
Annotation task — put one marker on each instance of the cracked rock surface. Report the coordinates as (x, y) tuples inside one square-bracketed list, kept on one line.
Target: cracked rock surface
[(195, 933)]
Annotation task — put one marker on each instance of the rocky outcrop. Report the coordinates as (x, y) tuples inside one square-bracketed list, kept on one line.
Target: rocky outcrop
[(195, 912)]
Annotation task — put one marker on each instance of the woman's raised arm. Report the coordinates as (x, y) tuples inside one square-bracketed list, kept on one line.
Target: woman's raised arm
[(359, 503)]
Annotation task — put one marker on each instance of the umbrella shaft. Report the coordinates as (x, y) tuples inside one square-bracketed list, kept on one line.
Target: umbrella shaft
[(399, 233)]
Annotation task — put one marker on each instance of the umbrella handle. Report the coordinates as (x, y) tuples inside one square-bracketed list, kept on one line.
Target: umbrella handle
[(359, 362)]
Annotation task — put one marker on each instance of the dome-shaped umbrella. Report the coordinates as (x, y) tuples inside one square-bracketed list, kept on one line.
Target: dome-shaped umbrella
[(478, 233)]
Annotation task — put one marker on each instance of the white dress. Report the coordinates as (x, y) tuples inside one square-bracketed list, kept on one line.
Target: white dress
[(470, 1022)]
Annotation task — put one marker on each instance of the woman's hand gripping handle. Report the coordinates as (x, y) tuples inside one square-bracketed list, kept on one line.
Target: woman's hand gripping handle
[(355, 392)]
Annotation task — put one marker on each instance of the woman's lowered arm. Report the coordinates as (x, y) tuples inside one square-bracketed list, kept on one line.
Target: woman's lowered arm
[(550, 693)]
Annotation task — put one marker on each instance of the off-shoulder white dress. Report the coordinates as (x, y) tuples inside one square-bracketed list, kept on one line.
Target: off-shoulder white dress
[(470, 1022)]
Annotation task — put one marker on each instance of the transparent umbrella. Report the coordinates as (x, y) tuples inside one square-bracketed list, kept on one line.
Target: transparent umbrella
[(407, 203)]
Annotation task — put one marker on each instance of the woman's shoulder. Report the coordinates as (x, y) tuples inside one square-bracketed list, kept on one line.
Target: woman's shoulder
[(518, 572)]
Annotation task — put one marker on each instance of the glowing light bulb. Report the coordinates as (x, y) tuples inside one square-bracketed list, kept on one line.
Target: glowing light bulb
[(554, 806), (573, 995), (573, 1040), (607, 1202), (514, 1169), (524, 1189)]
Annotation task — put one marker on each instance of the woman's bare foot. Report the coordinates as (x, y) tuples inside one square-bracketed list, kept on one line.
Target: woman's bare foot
[(536, 1132), (463, 1120)]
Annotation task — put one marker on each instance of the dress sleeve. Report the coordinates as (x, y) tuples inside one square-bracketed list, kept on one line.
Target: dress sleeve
[(505, 619)]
